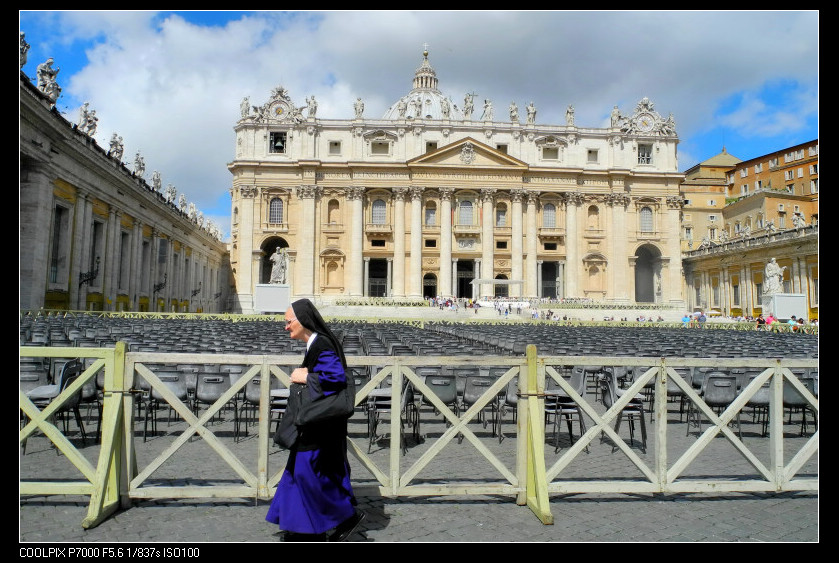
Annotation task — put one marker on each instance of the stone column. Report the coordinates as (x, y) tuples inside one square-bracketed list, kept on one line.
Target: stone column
[(447, 287), (476, 274), (415, 285), (454, 278), (539, 277), (135, 275), (516, 247), (673, 288), (245, 283), (168, 291), (37, 200), (110, 262), (748, 290), (531, 276), (572, 243), (87, 262), (154, 252), (306, 253), (561, 268), (356, 272), (487, 241), (399, 241), (366, 276), (79, 251), (618, 237), (389, 283)]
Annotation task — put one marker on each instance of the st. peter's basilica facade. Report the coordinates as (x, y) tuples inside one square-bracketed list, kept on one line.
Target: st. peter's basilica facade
[(437, 198)]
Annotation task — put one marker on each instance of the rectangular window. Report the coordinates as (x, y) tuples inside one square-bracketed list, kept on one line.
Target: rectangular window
[(550, 246), (501, 244), (277, 142), (335, 148), (377, 243), (550, 153), (430, 216), (430, 146), (430, 243), (380, 148), (591, 156), (501, 148), (645, 154), (500, 217)]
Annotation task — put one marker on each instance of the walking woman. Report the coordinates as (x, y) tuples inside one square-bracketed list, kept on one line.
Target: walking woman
[(314, 499)]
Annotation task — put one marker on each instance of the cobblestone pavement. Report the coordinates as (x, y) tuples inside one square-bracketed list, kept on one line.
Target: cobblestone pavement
[(727, 517)]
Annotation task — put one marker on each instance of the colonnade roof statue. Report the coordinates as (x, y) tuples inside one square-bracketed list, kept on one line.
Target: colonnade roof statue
[(47, 83)]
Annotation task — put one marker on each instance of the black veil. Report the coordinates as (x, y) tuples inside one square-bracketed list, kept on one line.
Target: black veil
[(308, 316)]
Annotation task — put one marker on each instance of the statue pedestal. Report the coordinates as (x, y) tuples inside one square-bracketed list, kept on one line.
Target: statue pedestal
[(271, 298), (785, 305)]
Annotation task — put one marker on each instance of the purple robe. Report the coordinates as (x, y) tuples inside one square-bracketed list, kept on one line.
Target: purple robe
[(314, 494)]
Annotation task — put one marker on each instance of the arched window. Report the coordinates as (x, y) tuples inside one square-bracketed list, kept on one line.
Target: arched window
[(501, 215), (646, 218), (549, 216), (465, 213), (430, 214), (379, 216), (275, 211)]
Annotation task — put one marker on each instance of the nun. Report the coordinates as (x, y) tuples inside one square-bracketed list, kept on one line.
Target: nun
[(314, 499)]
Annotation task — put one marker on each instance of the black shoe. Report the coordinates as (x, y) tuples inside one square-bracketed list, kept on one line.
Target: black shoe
[(348, 526)]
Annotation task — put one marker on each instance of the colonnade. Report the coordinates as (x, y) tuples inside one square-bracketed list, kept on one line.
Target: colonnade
[(120, 258), (525, 253)]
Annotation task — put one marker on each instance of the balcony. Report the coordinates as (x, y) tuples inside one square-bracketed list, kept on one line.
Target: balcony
[(274, 227), (467, 229), (378, 228)]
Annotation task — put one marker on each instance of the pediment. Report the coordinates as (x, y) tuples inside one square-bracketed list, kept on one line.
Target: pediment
[(467, 153)]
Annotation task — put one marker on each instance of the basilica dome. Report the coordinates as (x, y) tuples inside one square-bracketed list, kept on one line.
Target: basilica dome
[(425, 100)]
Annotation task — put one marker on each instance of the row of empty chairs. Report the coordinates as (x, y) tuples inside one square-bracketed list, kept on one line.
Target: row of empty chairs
[(458, 387)]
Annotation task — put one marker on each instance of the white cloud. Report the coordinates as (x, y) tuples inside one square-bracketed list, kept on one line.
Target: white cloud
[(172, 89)]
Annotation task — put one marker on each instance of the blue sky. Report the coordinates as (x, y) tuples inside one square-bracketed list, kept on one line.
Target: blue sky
[(170, 83)]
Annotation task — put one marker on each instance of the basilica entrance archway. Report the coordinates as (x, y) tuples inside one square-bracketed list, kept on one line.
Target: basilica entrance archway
[(429, 286), (647, 271), (268, 248)]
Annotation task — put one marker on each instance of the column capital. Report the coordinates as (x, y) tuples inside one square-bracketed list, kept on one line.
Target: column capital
[(574, 198), (309, 191), (416, 192), (488, 194), (248, 191), (446, 193), (399, 193), (354, 192), (518, 194)]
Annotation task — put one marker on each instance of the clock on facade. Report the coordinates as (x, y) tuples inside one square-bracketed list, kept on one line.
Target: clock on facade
[(645, 122)]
